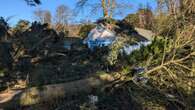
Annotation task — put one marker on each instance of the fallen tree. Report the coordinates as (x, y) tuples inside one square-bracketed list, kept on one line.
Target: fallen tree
[(35, 95)]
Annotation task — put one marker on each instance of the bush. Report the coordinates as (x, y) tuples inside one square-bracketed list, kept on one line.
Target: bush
[(166, 25), (22, 26), (154, 50), (60, 28), (85, 29), (107, 21), (132, 19), (114, 51)]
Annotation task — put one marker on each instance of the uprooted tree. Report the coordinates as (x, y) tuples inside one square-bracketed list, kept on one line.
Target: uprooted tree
[(169, 65)]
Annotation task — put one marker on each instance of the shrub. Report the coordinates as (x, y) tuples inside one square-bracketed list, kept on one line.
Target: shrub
[(166, 25), (107, 21), (154, 50), (132, 19), (85, 29), (22, 25), (111, 58), (60, 28)]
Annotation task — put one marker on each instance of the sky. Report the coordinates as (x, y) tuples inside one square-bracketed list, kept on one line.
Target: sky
[(18, 9)]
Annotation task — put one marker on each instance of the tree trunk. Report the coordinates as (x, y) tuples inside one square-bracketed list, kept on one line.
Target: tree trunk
[(112, 6), (105, 8), (35, 95)]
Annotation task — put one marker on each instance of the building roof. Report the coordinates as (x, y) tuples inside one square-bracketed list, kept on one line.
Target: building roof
[(100, 33)]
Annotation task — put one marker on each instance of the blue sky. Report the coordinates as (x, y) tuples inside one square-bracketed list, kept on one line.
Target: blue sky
[(18, 9)]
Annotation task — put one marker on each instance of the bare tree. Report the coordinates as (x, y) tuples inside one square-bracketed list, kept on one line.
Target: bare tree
[(108, 7), (39, 15), (47, 17), (145, 17), (176, 6), (62, 17), (43, 16)]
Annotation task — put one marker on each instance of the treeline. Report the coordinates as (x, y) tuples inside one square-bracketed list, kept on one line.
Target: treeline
[(60, 21)]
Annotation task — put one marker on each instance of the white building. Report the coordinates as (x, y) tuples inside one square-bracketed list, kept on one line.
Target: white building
[(99, 37)]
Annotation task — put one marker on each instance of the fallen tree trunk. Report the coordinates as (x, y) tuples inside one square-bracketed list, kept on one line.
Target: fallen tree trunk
[(34, 95)]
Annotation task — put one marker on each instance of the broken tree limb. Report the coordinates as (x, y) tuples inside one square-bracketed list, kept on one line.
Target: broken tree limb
[(176, 61), (40, 42), (53, 55)]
